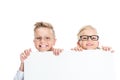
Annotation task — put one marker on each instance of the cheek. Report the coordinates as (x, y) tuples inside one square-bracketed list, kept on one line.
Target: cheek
[(53, 42), (36, 43), (82, 43), (78, 43), (98, 43)]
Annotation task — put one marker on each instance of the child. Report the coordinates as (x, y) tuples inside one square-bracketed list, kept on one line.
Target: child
[(44, 40), (88, 39)]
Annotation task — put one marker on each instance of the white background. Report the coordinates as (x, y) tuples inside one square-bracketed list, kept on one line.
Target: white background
[(17, 19)]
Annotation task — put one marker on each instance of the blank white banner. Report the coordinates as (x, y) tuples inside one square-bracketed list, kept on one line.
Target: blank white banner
[(70, 65)]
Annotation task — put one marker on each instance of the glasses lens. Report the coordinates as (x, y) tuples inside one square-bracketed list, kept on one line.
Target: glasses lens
[(94, 37), (84, 37)]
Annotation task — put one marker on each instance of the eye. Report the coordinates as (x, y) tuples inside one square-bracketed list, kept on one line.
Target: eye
[(95, 37), (47, 38), (84, 37), (38, 38)]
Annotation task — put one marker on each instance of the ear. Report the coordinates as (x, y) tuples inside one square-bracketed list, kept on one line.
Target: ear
[(78, 44), (54, 42), (33, 40)]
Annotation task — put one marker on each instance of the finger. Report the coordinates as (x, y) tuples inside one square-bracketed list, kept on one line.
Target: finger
[(103, 48), (54, 52), (27, 52), (76, 49), (112, 51), (80, 49), (57, 51), (23, 56), (61, 50)]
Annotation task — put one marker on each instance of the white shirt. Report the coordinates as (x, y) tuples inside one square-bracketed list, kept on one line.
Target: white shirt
[(19, 75)]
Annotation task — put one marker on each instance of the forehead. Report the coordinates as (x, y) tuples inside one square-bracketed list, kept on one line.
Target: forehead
[(43, 32), (89, 32)]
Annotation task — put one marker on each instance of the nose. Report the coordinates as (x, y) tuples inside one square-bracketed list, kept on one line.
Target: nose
[(89, 38), (42, 40)]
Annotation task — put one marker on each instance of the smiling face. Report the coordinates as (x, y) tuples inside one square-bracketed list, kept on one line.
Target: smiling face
[(44, 39), (89, 39)]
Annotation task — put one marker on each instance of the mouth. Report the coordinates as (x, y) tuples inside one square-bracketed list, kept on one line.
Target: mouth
[(89, 44), (43, 46)]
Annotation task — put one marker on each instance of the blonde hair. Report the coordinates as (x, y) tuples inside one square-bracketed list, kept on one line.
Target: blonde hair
[(85, 28), (44, 25)]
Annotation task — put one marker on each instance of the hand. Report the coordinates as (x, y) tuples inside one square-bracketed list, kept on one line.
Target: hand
[(106, 48), (77, 49), (57, 51), (24, 56)]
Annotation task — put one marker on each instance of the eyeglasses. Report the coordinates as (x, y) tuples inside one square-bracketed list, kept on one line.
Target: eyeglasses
[(86, 37)]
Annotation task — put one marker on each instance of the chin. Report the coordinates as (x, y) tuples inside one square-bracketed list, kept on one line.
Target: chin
[(89, 48), (43, 50)]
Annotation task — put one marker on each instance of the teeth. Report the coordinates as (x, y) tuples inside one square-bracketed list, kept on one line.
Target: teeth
[(43, 46)]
